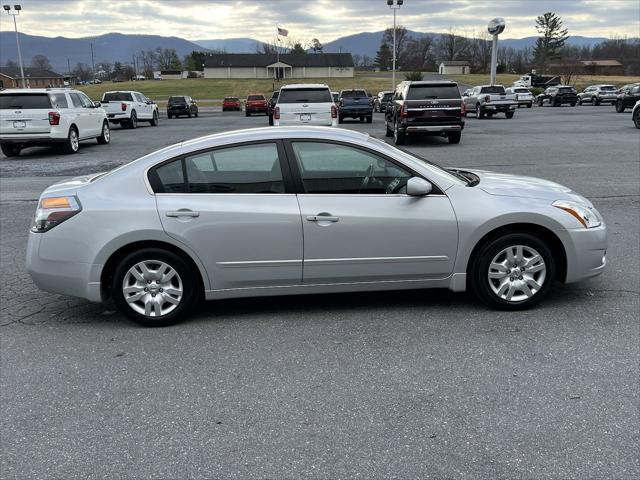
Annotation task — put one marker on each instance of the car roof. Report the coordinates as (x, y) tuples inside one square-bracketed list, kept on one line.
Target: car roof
[(38, 90), (430, 82), (494, 85), (304, 85)]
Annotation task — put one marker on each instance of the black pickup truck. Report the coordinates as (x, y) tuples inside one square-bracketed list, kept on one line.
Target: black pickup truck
[(355, 103), (425, 108)]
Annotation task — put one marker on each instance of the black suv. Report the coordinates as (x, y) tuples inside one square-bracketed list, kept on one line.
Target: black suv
[(558, 96), (428, 108), (181, 105), (271, 104), (627, 97), (355, 103)]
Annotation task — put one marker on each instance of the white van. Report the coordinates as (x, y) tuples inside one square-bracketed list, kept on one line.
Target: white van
[(305, 104)]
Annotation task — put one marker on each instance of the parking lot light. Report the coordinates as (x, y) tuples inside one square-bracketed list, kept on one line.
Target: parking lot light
[(14, 13), (394, 5)]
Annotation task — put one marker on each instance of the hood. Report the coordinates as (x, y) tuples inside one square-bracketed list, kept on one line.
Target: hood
[(71, 183), (504, 184)]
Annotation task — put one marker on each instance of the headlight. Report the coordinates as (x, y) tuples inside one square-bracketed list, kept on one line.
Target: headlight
[(53, 211), (588, 217)]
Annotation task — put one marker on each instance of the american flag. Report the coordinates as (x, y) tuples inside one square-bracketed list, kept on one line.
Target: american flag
[(283, 32)]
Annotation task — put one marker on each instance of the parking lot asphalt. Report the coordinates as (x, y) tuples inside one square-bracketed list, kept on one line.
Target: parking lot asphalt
[(394, 385)]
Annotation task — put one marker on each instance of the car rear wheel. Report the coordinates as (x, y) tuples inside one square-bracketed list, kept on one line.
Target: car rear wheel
[(105, 136), (479, 112), (72, 144), (369, 119), (154, 120), (10, 150), (579, 100), (513, 272), (530, 104), (636, 118), (540, 102), (399, 137), (619, 106), (454, 137), (133, 121), (154, 287), (387, 131), (509, 114)]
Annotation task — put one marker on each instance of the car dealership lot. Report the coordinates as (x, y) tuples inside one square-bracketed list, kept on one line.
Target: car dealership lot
[(397, 384)]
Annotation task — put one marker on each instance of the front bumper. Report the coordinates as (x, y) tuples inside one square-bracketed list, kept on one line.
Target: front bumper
[(586, 257), (66, 278)]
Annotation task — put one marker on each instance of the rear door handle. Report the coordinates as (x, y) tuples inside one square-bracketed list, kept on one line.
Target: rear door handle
[(322, 218), (183, 213)]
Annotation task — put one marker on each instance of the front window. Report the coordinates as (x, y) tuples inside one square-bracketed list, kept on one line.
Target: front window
[(340, 169), (305, 95), (239, 169)]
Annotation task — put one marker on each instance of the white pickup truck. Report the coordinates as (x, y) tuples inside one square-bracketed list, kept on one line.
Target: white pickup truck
[(489, 100), (127, 108)]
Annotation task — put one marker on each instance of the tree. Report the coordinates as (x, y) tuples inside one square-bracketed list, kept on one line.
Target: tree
[(418, 54), (298, 49), (451, 46), (552, 38), (11, 64), (480, 52), (167, 59), (104, 69), (266, 48), (316, 46), (41, 62), (384, 57), (402, 38), (81, 71)]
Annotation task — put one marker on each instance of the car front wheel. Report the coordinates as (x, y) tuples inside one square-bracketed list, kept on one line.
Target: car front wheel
[(513, 272), (636, 118), (155, 287), (619, 106)]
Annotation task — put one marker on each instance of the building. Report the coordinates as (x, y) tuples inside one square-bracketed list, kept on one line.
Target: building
[(456, 67), (35, 78), (171, 74), (588, 67), (287, 65)]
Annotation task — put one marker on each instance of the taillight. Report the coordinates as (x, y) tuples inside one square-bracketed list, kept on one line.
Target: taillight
[(334, 111), (53, 211), (487, 99), (123, 106), (54, 118), (404, 111), (463, 108), (276, 113)]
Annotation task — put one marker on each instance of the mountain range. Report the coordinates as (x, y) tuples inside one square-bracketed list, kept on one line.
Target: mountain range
[(112, 47)]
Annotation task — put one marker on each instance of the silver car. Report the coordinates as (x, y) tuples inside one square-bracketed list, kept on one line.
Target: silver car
[(296, 210), (597, 94)]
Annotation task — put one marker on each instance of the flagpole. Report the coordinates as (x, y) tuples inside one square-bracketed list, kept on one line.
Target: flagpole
[(277, 53)]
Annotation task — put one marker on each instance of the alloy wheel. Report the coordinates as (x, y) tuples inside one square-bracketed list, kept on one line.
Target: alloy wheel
[(517, 273), (152, 288), (73, 140)]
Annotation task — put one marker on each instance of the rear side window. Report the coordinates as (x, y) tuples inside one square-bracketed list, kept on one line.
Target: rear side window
[(117, 97), (422, 92), (495, 89), (59, 100), (24, 101), (305, 95), (241, 169)]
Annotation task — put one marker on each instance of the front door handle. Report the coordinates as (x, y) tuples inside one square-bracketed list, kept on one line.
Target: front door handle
[(183, 213), (322, 217)]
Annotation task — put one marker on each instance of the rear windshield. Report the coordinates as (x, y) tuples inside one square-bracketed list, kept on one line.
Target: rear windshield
[(608, 88), (305, 95), (521, 90), (24, 101), (117, 97), (230, 99), (566, 90), (495, 89), (353, 94), (387, 96), (255, 97), (176, 100), (422, 92)]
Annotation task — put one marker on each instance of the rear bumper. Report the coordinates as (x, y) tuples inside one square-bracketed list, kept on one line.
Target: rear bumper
[(296, 122), (506, 107), (32, 139), (67, 278), (117, 116), (256, 109), (458, 127), (355, 111)]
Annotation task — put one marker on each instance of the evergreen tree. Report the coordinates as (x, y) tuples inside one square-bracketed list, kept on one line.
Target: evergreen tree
[(552, 38), (384, 57)]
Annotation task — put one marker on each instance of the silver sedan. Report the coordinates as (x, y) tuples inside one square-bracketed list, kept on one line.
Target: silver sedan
[(296, 210)]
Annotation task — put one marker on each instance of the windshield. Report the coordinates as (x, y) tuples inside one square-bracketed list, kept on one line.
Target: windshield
[(117, 97), (305, 95), (255, 97), (496, 89), (422, 92), (24, 101), (353, 94)]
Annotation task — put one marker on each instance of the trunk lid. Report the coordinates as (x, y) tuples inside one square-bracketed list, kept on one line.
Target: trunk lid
[(25, 113)]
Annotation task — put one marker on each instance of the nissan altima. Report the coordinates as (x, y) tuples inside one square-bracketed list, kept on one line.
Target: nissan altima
[(296, 210)]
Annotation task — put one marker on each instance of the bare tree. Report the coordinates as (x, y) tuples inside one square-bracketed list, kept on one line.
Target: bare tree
[(41, 62), (418, 54), (402, 38), (480, 52), (452, 46)]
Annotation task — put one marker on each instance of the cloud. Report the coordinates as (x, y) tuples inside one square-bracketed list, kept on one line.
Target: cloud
[(324, 19)]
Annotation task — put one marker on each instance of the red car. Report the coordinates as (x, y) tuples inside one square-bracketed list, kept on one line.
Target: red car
[(256, 103), (231, 103)]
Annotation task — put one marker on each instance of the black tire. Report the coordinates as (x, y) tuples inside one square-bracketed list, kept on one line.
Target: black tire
[(369, 119), (540, 102), (271, 120), (105, 136), (454, 137), (71, 145), (154, 119), (480, 282), (530, 104), (479, 112), (190, 286), (509, 114), (619, 106), (399, 137), (196, 114), (10, 150), (388, 132), (573, 104), (636, 118), (340, 119), (169, 116), (133, 121), (362, 119), (579, 100), (246, 114)]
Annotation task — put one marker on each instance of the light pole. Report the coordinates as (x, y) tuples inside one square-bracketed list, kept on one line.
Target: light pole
[(14, 13), (394, 5), (495, 28)]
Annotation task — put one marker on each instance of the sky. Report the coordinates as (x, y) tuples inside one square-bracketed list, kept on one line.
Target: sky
[(306, 19)]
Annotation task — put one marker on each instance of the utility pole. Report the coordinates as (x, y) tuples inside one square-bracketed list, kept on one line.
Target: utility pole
[(394, 5), (93, 65)]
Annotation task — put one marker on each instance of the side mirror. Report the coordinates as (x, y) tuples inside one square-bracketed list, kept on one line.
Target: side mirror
[(418, 187), (97, 104)]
